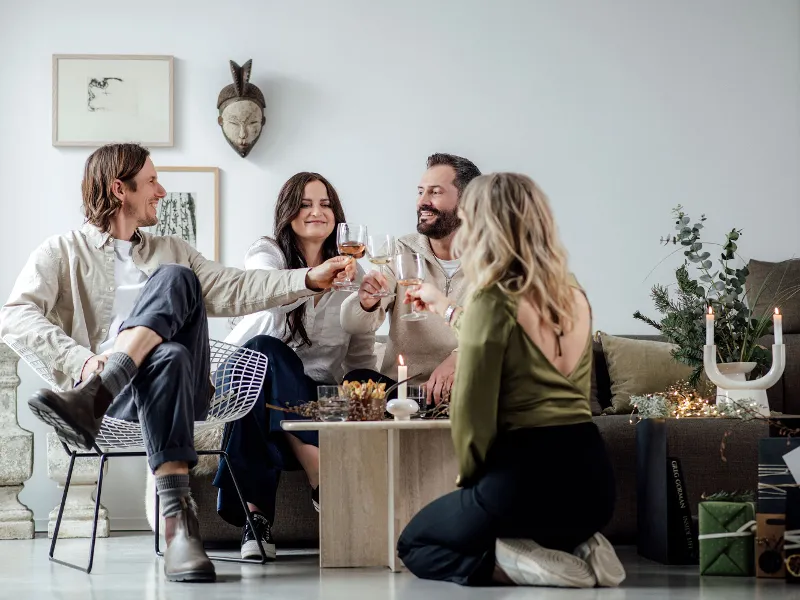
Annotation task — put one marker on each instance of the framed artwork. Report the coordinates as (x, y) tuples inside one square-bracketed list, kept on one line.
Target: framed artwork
[(101, 98), (190, 210)]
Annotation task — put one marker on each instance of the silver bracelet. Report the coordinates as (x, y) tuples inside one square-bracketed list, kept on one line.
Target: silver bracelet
[(448, 314)]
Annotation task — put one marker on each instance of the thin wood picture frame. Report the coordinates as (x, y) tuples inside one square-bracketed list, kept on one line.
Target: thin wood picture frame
[(109, 98), (191, 208)]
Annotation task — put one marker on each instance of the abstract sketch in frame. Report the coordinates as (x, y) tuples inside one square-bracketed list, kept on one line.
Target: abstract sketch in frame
[(103, 98), (190, 209)]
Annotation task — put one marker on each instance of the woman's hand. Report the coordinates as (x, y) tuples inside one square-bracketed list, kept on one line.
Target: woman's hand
[(428, 297)]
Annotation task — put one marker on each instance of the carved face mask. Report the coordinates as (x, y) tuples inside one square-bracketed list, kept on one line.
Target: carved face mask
[(242, 121), (241, 110)]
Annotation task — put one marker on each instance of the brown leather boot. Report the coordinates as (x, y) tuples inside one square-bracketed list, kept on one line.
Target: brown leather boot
[(185, 559), (76, 414)]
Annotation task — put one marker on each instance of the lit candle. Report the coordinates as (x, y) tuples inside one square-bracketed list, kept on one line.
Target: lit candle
[(402, 375), (777, 320), (710, 327)]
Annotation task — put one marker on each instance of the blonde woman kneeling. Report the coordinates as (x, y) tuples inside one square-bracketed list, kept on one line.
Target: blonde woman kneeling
[(536, 482)]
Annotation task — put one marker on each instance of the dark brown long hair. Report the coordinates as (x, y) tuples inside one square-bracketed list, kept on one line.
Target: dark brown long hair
[(103, 167), (290, 201)]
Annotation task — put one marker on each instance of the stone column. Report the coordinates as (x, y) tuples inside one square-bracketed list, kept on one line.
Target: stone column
[(79, 511), (16, 454)]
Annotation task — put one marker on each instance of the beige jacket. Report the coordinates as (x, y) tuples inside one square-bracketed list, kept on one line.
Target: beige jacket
[(61, 304), (423, 344)]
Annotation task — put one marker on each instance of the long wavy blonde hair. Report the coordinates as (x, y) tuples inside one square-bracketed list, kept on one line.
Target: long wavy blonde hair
[(508, 238)]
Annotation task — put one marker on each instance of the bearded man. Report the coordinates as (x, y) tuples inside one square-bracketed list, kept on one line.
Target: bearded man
[(428, 346)]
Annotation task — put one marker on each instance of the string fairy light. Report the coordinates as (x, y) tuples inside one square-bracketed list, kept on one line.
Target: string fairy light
[(681, 400)]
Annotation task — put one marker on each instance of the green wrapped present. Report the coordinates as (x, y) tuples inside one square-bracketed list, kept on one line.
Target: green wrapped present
[(726, 538)]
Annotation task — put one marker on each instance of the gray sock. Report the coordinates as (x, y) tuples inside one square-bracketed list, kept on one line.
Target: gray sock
[(171, 489), (118, 372)]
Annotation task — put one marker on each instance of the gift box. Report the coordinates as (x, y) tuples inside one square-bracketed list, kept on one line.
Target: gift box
[(769, 546), (791, 537), (726, 538), (774, 477)]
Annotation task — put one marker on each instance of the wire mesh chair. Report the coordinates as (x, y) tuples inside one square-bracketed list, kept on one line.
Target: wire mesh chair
[(238, 374)]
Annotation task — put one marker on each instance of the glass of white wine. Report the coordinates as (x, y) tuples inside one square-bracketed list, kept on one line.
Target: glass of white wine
[(352, 242), (410, 272), (380, 251)]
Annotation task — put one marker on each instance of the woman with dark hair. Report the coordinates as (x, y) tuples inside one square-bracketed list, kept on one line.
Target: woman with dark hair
[(306, 347)]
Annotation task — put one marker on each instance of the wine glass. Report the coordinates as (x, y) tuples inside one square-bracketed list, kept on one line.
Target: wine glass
[(410, 272), (352, 241), (332, 403), (380, 250)]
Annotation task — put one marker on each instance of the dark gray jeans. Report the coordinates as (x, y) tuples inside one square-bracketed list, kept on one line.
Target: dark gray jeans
[(172, 388)]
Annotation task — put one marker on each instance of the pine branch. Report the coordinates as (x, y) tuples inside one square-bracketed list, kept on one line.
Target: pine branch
[(639, 316)]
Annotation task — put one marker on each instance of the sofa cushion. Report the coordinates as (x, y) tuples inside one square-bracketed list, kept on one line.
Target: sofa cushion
[(637, 367), (771, 283)]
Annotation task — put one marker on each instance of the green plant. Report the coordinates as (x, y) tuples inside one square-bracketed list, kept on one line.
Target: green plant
[(737, 328)]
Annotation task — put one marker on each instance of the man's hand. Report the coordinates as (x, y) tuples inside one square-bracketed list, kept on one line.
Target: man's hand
[(441, 381), (373, 283), (337, 268), (94, 364)]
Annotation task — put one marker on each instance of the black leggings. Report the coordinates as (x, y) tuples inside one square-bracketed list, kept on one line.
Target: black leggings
[(553, 485)]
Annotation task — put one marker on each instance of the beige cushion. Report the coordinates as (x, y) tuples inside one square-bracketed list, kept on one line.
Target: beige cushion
[(638, 367)]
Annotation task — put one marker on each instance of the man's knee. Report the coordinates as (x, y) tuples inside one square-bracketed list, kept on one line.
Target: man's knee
[(173, 357), (177, 273)]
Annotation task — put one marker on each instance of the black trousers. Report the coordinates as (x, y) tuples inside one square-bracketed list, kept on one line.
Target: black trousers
[(256, 444), (553, 485), (172, 389)]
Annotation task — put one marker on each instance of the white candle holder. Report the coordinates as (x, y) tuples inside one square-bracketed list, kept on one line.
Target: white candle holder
[(402, 410), (735, 388), (407, 402)]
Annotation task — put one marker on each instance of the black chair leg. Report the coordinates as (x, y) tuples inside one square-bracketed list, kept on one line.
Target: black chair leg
[(73, 455), (96, 511)]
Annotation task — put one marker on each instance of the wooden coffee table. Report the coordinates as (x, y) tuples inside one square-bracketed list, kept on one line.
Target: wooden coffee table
[(375, 476)]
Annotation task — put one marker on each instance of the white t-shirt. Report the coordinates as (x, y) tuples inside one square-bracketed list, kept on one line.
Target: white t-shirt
[(450, 266), (129, 281)]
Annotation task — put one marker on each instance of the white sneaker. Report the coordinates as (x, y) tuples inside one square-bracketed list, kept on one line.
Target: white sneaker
[(598, 552), (527, 563)]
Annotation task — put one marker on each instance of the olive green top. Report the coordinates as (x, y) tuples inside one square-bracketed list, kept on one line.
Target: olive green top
[(503, 381)]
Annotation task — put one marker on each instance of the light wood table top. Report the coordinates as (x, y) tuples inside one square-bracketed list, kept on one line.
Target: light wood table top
[(365, 425)]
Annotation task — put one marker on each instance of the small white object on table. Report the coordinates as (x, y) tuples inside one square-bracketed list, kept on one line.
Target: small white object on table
[(374, 477)]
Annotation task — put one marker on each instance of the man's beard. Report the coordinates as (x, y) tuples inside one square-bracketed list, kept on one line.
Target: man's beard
[(145, 221), (445, 223)]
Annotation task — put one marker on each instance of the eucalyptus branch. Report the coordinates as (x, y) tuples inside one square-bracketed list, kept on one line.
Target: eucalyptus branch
[(697, 285)]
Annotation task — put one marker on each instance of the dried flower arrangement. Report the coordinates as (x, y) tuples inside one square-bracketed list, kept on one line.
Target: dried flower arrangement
[(367, 400)]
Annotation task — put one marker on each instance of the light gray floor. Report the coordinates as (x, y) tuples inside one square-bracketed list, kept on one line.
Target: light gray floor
[(125, 567)]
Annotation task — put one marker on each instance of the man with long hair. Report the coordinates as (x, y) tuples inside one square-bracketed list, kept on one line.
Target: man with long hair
[(123, 314), (428, 346)]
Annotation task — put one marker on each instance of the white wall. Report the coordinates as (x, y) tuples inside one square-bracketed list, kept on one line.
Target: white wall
[(619, 109)]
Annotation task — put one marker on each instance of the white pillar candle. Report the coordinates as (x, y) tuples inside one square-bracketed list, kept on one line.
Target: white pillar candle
[(402, 375), (710, 327), (777, 321)]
